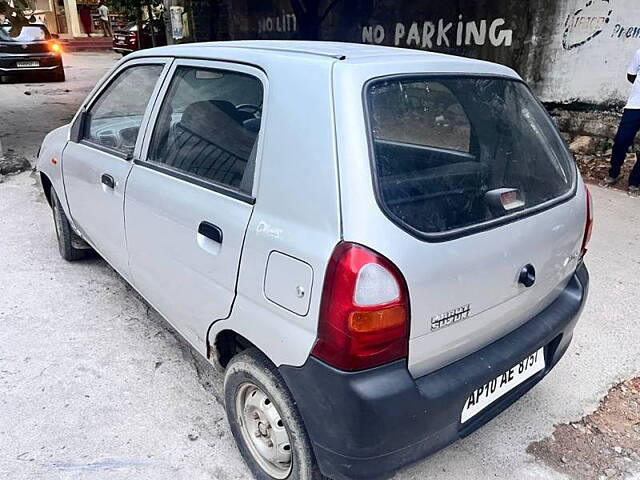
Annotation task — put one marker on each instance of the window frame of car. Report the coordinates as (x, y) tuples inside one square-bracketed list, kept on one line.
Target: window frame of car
[(214, 65), (433, 237), (77, 134), (47, 34)]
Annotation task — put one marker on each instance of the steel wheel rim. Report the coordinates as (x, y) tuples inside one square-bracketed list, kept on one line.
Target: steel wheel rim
[(263, 430)]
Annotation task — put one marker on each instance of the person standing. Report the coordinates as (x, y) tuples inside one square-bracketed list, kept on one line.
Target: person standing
[(103, 11), (629, 127)]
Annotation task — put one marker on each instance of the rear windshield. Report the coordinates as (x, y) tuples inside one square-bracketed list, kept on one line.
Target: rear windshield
[(451, 153), (29, 33)]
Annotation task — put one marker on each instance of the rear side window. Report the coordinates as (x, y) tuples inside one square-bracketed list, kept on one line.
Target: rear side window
[(452, 153), (208, 126)]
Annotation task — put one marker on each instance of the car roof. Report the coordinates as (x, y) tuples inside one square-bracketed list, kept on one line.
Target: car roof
[(287, 55), (322, 51)]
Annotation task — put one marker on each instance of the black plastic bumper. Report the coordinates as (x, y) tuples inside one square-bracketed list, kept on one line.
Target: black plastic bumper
[(46, 62), (368, 424)]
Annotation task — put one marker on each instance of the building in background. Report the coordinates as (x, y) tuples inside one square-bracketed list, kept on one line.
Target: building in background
[(573, 53), (570, 51), (73, 18)]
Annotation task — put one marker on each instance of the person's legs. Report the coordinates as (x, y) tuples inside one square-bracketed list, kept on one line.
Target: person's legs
[(629, 126), (109, 28), (106, 28)]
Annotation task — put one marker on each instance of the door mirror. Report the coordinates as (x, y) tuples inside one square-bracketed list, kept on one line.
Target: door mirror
[(55, 36), (75, 135)]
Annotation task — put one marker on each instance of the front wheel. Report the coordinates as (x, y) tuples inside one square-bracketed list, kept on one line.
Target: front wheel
[(71, 246), (265, 422)]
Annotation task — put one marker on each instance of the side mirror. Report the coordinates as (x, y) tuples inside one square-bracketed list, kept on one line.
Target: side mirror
[(75, 135), (55, 36)]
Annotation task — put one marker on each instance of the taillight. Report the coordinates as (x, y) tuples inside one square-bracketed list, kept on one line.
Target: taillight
[(364, 313), (589, 224)]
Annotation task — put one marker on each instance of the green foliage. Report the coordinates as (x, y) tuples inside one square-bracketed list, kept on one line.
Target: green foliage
[(133, 8)]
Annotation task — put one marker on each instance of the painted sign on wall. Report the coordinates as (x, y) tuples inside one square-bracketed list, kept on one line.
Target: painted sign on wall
[(498, 31), (569, 50)]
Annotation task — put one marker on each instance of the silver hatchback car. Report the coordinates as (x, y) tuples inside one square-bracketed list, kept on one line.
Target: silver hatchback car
[(383, 248)]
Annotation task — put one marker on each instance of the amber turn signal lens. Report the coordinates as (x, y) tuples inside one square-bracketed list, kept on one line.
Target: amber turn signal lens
[(55, 47), (374, 320)]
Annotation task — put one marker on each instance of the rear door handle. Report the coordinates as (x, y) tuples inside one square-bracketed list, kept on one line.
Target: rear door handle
[(210, 231), (108, 180)]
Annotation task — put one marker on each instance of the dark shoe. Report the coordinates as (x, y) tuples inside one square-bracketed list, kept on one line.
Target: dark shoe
[(634, 190), (607, 182)]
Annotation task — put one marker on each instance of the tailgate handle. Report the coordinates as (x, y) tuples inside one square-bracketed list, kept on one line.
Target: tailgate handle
[(527, 275), (210, 231)]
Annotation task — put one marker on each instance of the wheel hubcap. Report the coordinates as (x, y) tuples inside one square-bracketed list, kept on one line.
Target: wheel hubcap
[(263, 430)]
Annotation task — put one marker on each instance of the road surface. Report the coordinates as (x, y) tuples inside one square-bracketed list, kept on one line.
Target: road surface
[(94, 384)]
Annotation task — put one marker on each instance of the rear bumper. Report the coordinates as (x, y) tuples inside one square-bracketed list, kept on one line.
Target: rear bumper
[(46, 61), (122, 49), (368, 424)]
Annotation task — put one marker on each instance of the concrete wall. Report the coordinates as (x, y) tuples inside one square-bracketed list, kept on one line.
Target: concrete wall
[(587, 57), (571, 51)]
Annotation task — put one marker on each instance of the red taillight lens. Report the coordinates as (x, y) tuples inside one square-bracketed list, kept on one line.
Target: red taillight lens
[(589, 225), (364, 314)]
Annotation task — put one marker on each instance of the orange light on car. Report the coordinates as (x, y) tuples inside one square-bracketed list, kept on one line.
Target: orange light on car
[(55, 47), (54, 160)]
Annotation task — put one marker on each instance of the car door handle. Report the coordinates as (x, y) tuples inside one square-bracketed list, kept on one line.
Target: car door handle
[(108, 180), (210, 231)]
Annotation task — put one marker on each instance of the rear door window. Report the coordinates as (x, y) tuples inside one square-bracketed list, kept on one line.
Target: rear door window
[(459, 153), (208, 126)]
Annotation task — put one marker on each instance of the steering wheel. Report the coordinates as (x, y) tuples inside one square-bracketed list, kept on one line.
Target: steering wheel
[(249, 108)]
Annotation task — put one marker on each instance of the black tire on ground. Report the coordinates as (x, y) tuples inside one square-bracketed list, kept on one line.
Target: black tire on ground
[(58, 75), (250, 369), (67, 238)]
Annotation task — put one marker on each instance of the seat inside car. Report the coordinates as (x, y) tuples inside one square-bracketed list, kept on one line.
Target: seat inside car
[(209, 142)]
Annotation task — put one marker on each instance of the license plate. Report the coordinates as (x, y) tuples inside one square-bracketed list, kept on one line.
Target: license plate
[(485, 395), (28, 64), (119, 38)]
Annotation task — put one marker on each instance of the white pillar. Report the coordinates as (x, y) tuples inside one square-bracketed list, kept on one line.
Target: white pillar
[(73, 22)]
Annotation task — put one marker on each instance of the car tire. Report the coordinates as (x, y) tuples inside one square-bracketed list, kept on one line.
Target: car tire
[(58, 75), (70, 245), (268, 429)]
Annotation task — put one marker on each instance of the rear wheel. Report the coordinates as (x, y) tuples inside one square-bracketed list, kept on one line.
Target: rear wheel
[(70, 245), (58, 75), (265, 422)]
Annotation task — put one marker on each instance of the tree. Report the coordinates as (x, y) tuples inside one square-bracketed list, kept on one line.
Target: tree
[(133, 9), (310, 16), (18, 13)]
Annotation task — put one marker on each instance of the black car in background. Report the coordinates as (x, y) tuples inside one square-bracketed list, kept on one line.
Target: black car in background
[(125, 40), (30, 49)]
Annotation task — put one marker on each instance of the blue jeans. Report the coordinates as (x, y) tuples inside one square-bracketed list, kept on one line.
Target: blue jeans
[(629, 127)]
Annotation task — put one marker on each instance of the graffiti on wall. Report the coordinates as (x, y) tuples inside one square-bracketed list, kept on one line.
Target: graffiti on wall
[(442, 33), (589, 21), (620, 31), (283, 23)]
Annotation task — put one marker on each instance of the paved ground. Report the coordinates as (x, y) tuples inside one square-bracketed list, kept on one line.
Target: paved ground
[(30, 110), (94, 385)]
